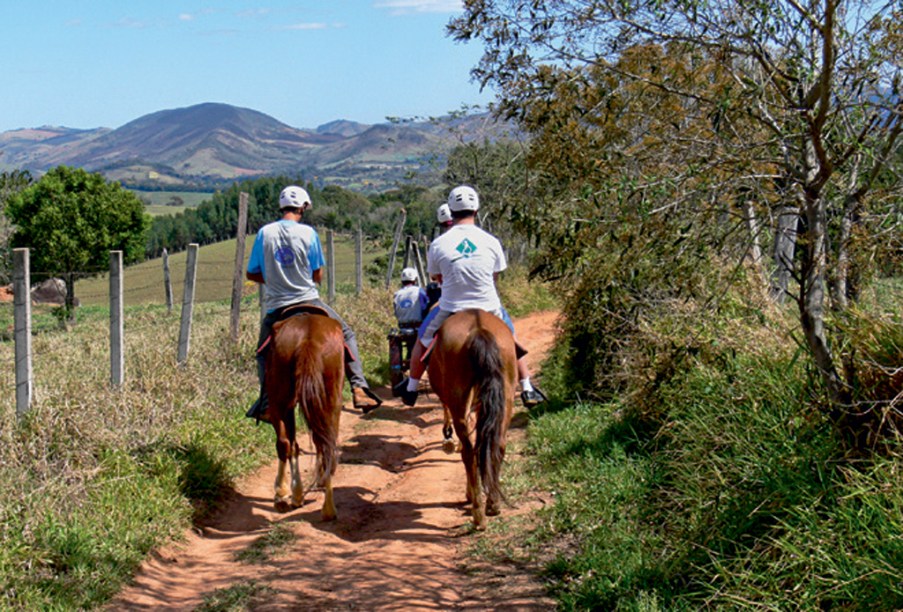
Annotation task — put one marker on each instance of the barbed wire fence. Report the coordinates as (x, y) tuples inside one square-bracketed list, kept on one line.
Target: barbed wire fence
[(200, 280)]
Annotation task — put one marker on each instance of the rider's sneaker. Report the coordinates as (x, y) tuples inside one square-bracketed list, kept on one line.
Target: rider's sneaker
[(258, 411), (533, 397), (408, 398), (365, 400)]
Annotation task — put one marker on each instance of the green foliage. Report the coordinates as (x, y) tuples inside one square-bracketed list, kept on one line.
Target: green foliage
[(71, 220), (739, 495)]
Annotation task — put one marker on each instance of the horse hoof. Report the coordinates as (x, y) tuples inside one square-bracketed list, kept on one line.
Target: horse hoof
[(448, 446), (283, 505), (492, 511)]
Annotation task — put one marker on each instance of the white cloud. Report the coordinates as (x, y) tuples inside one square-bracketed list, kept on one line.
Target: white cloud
[(403, 7), (186, 17), (306, 26), (253, 12)]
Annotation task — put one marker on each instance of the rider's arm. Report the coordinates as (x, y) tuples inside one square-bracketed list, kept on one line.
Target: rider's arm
[(318, 275), (255, 263)]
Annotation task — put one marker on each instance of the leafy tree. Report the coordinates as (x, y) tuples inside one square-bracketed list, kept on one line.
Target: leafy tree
[(498, 171), (704, 123), (10, 183), (71, 220)]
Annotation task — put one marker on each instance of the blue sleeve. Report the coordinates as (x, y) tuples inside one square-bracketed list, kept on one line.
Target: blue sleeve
[(424, 303), (255, 262), (315, 254)]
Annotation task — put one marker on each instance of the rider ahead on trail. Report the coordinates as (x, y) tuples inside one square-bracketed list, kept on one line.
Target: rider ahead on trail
[(287, 257), (410, 301), (466, 260)]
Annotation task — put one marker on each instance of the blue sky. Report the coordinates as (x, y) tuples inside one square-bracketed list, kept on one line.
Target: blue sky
[(102, 63)]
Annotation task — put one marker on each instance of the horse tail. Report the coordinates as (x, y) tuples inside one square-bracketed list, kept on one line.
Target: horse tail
[(486, 360), (312, 396)]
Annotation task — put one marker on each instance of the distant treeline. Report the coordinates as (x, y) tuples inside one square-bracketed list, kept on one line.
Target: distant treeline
[(333, 208)]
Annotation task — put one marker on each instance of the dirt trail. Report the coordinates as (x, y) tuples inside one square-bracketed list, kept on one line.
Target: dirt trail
[(398, 543)]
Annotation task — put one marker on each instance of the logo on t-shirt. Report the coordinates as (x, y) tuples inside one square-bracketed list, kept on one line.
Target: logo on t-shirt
[(466, 248), (285, 256)]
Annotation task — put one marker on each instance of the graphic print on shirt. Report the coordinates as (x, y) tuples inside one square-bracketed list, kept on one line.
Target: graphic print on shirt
[(466, 248), (285, 256)]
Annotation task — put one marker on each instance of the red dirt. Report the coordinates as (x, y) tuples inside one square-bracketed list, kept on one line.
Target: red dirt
[(399, 542)]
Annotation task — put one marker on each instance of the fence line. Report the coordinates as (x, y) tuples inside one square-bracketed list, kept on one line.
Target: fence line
[(118, 290)]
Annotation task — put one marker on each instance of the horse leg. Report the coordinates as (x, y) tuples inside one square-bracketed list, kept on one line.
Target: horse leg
[(448, 442), (328, 512), (474, 490), (493, 507), (297, 481), (283, 484)]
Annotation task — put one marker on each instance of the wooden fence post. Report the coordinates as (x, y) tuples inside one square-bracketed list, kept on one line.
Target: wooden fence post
[(398, 229), (237, 276), (359, 262), (330, 265), (22, 329), (167, 281), (408, 240), (421, 272), (191, 267), (117, 359)]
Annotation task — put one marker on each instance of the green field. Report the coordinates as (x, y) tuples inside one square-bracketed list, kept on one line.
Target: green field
[(143, 283), (158, 201)]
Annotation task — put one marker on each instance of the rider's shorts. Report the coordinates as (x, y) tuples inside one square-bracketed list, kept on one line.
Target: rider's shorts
[(437, 317)]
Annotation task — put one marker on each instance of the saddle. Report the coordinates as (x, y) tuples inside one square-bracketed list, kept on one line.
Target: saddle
[(519, 351), (294, 310)]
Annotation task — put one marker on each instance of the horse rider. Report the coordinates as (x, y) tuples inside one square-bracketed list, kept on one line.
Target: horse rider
[(410, 301), (287, 258), (466, 260), (433, 290)]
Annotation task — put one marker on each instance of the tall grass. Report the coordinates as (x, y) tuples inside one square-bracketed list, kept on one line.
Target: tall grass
[(723, 488), (95, 476)]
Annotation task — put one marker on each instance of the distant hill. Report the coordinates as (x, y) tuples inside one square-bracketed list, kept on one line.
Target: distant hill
[(214, 143)]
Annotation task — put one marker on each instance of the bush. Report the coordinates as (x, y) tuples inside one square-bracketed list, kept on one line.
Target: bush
[(721, 485)]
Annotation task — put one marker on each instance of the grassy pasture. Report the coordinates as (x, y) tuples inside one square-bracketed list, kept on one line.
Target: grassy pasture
[(143, 282), (157, 200)]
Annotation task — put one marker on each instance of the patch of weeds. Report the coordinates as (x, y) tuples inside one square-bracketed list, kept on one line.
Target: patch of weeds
[(234, 598), (267, 545)]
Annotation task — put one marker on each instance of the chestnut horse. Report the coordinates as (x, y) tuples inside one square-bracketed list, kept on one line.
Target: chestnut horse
[(473, 369), (305, 366)]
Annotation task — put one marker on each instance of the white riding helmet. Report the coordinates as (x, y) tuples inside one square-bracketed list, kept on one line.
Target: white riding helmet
[(408, 275), (294, 197), (444, 214), (463, 198)]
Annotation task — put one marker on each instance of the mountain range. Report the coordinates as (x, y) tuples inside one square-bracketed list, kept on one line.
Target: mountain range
[(210, 144)]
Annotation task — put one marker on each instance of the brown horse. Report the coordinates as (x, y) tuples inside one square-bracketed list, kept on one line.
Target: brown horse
[(473, 369), (305, 367)]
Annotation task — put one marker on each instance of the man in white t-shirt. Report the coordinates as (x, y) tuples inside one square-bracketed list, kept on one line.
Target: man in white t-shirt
[(466, 260)]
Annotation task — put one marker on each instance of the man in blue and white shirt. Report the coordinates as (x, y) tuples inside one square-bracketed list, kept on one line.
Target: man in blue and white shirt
[(410, 302), (287, 257)]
